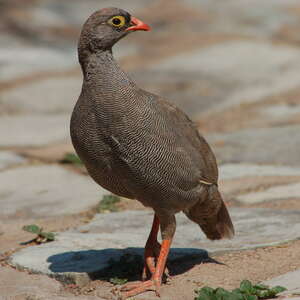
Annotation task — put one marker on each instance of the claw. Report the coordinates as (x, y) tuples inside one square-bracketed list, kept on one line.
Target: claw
[(129, 286), (138, 288), (157, 284)]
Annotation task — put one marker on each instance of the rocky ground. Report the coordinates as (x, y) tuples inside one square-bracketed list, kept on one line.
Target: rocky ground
[(233, 66)]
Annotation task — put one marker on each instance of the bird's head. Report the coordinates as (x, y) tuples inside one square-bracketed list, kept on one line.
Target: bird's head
[(105, 27)]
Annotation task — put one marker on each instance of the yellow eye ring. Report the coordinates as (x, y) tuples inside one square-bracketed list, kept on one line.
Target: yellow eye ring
[(117, 21)]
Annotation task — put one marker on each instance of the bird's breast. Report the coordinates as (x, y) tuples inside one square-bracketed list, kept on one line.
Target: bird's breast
[(94, 145)]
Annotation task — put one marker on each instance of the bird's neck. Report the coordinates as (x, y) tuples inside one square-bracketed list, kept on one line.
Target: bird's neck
[(107, 89), (88, 59), (101, 69)]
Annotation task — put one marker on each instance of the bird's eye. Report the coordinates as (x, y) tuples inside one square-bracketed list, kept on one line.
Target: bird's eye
[(117, 21)]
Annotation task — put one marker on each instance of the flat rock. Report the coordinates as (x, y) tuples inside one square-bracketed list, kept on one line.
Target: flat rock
[(268, 182), (281, 111), (233, 171), (253, 18), (230, 56), (34, 130), (290, 280), (78, 253), (281, 192), (277, 145), (54, 12), (50, 28), (8, 159), (194, 92), (20, 286), (49, 153), (46, 190), (50, 95), (21, 61), (271, 70)]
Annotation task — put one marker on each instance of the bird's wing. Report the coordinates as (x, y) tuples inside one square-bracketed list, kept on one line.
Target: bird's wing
[(165, 149), (197, 145)]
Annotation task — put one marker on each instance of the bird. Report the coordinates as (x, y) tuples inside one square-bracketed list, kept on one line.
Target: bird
[(140, 146)]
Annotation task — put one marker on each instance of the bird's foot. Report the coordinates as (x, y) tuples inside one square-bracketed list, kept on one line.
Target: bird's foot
[(152, 250), (166, 275), (133, 289), (151, 256)]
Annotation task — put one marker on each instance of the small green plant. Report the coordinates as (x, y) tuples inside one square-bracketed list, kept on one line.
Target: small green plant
[(42, 236), (246, 291), (108, 204), (72, 158), (118, 281)]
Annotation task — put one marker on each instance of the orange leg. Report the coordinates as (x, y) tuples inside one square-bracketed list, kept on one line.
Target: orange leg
[(152, 249), (155, 282)]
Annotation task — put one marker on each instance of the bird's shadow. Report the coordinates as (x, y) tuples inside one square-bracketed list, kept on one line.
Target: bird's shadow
[(123, 263)]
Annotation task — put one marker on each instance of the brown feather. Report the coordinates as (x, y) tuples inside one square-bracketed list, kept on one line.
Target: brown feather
[(136, 144), (211, 214)]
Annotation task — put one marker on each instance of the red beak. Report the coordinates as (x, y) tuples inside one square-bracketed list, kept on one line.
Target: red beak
[(138, 25)]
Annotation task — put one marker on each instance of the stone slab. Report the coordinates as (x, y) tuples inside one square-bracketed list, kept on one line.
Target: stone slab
[(88, 248), (194, 92), (271, 70), (277, 145), (281, 192), (21, 61), (281, 111), (290, 280), (233, 171), (48, 13), (50, 153), (46, 190), (34, 130), (8, 159), (46, 33), (15, 285), (51, 95), (73, 257), (252, 18), (230, 56)]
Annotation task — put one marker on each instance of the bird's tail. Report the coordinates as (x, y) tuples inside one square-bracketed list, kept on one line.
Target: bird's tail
[(211, 214)]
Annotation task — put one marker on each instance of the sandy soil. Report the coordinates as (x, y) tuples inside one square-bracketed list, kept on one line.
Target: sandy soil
[(226, 270), (223, 270)]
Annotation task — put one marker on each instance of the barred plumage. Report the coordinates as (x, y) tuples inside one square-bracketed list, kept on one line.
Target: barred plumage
[(138, 145)]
